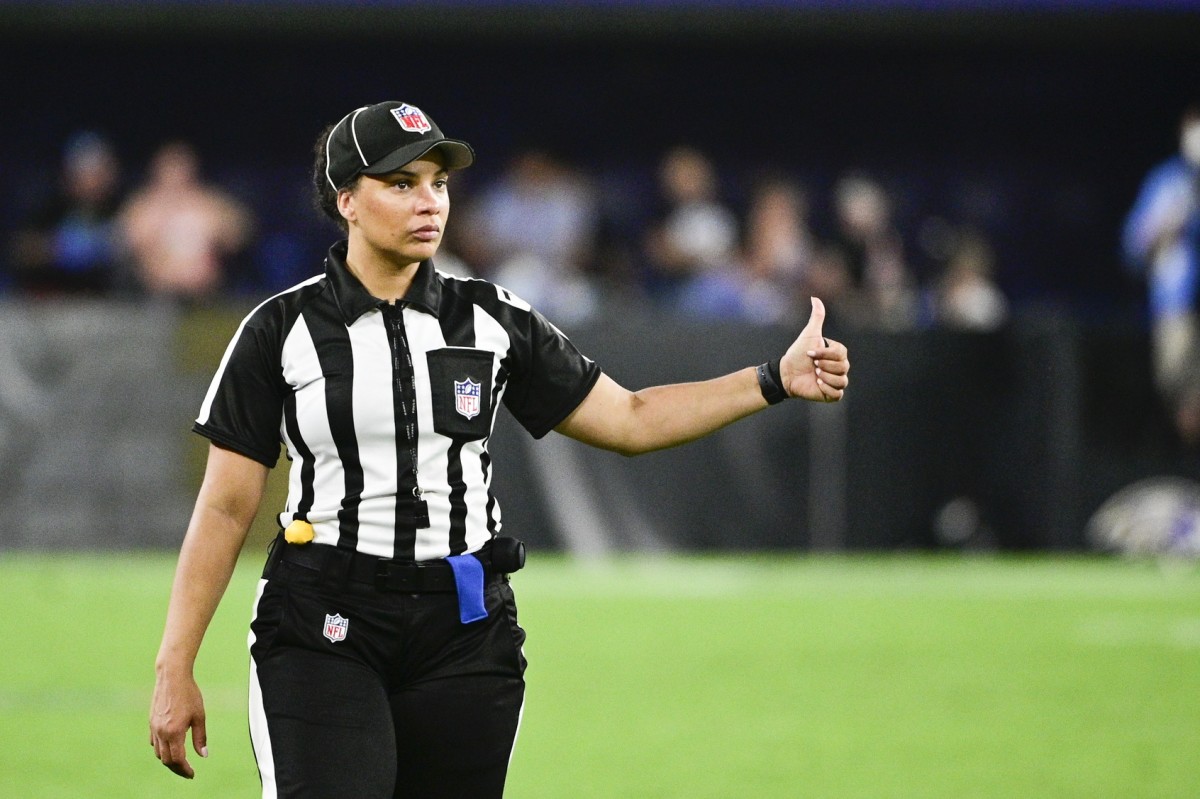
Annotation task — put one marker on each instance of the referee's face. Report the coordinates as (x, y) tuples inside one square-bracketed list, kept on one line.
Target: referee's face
[(401, 216)]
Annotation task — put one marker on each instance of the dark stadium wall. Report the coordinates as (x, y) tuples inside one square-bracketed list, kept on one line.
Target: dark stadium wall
[(1026, 431)]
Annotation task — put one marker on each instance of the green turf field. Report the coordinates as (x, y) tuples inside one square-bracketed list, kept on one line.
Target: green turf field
[(690, 677)]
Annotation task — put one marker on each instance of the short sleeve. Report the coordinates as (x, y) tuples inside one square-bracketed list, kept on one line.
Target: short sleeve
[(550, 377), (243, 409)]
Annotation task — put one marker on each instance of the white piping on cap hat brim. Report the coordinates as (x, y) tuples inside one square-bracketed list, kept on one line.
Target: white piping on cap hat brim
[(355, 114)]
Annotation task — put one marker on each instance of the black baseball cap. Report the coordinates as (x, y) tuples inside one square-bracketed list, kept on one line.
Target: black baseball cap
[(381, 138)]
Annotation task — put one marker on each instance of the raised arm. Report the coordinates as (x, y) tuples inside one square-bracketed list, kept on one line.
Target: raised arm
[(225, 507), (633, 422)]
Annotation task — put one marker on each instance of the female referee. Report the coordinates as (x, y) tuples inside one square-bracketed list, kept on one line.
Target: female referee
[(385, 652)]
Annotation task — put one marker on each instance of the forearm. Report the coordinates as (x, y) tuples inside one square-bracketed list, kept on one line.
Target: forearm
[(666, 416), (659, 417), (225, 508), (206, 563)]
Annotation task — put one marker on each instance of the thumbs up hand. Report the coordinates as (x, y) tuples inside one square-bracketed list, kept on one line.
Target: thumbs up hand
[(814, 367)]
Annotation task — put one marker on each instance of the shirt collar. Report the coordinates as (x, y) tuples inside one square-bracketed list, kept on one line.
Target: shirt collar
[(353, 299)]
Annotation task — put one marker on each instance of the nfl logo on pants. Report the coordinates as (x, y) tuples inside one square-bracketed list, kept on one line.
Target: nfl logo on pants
[(336, 627)]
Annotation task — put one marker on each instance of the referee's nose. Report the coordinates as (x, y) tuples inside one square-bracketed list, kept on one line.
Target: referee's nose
[(430, 199)]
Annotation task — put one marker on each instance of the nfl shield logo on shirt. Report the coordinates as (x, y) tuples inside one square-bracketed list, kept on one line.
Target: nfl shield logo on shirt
[(466, 398), (336, 627), (411, 119)]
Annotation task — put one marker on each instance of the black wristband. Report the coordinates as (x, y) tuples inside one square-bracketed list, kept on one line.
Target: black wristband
[(770, 383)]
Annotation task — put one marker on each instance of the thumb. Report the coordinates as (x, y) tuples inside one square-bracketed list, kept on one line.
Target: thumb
[(200, 737), (816, 321)]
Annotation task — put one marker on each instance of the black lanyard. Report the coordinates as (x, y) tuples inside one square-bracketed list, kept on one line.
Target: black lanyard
[(406, 391)]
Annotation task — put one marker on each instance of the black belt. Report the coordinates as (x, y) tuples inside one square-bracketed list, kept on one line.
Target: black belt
[(385, 574)]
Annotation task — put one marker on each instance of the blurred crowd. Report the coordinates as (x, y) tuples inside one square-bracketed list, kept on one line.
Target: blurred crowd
[(170, 236), (690, 240), (685, 237)]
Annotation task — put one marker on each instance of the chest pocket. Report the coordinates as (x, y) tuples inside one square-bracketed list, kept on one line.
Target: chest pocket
[(461, 383)]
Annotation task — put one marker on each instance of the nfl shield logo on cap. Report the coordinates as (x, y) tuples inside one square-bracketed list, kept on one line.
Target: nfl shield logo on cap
[(336, 627), (466, 398), (411, 118)]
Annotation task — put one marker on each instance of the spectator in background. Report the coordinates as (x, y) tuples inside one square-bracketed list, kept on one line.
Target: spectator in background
[(766, 282), (965, 296), (68, 245), (1161, 242), (694, 233), (874, 252), (828, 274), (179, 232), (777, 249), (533, 232)]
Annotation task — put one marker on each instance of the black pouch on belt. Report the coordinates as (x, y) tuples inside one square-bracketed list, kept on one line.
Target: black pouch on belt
[(508, 555)]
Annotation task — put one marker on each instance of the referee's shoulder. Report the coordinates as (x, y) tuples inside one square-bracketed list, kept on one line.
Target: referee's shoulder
[(291, 300), (491, 297), (280, 310)]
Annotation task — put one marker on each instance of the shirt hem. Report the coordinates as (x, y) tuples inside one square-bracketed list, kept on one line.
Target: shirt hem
[(231, 443), (568, 407)]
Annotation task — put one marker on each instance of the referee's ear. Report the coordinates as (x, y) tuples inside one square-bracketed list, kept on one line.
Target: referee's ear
[(345, 204)]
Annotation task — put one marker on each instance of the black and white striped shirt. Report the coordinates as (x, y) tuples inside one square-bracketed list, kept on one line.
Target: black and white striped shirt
[(336, 375)]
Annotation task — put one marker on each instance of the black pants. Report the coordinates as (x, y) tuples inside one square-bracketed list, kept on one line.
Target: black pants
[(363, 693)]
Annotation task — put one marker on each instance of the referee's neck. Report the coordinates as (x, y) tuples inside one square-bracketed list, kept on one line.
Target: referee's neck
[(381, 276)]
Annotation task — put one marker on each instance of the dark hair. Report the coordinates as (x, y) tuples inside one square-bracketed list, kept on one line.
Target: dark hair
[(324, 195)]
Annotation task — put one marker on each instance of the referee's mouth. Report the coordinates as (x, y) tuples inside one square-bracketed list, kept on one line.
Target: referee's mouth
[(427, 233)]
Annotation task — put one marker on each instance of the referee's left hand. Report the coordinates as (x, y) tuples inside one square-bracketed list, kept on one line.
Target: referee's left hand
[(177, 707), (814, 367)]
